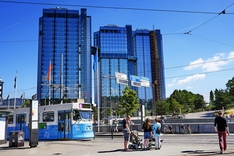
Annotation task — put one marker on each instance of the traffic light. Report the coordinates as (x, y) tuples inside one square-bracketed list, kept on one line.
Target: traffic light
[(34, 96)]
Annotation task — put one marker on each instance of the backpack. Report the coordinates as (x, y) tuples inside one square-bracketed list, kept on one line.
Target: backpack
[(158, 130)]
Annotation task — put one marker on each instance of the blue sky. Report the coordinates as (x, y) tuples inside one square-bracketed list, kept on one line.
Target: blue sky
[(200, 61)]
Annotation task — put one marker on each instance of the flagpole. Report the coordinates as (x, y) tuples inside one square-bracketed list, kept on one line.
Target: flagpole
[(98, 98), (49, 79)]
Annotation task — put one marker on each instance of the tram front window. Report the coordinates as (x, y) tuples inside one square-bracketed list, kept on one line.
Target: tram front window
[(76, 115), (86, 115), (82, 115)]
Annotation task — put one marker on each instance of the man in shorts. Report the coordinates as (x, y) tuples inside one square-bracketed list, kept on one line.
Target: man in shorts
[(126, 131)]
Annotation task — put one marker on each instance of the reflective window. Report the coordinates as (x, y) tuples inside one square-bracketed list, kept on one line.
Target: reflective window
[(10, 119), (48, 116), (21, 118)]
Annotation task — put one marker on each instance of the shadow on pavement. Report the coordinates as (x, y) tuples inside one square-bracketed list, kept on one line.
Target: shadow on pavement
[(205, 153), (14, 148), (120, 150)]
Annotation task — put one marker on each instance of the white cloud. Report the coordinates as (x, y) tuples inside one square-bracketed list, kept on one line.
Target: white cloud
[(191, 78), (173, 83), (231, 56), (194, 64), (215, 63), (188, 79), (211, 64), (189, 87)]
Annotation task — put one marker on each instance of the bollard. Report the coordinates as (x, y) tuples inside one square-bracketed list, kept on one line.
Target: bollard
[(93, 133), (111, 132)]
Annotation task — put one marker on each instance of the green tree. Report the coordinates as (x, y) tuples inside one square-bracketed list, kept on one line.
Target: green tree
[(108, 111), (222, 99), (185, 101), (26, 103), (162, 107), (230, 88), (129, 103), (199, 102), (95, 113), (175, 107), (211, 97)]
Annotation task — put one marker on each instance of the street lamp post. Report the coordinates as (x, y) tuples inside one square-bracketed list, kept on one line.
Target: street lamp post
[(22, 97)]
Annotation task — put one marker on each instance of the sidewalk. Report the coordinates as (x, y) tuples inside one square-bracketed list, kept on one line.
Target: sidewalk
[(114, 133), (103, 145)]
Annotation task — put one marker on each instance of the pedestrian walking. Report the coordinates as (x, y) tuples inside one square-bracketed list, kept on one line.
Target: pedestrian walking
[(157, 134), (116, 123), (221, 127)]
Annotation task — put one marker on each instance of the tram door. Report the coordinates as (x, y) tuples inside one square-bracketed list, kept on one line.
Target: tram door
[(64, 124), (20, 124)]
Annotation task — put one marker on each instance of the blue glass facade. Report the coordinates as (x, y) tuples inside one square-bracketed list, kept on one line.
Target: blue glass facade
[(65, 41), (133, 53), (143, 53), (115, 48)]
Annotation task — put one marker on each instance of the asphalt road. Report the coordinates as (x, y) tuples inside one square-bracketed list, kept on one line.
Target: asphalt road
[(173, 145), (205, 114)]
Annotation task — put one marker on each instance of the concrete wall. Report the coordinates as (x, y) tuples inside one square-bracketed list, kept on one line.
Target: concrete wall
[(202, 127)]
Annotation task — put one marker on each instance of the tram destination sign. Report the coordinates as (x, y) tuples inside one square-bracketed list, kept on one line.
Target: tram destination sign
[(145, 82), (85, 105), (121, 78), (122, 81), (135, 81)]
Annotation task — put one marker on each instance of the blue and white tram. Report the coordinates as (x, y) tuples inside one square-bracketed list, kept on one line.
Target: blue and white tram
[(62, 121)]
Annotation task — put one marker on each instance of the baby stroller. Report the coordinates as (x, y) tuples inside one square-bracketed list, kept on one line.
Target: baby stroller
[(136, 142), (152, 142)]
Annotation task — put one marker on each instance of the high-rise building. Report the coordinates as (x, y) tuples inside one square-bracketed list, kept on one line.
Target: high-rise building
[(115, 46), (133, 53), (150, 64), (158, 76), (64, 57), (144, 69)]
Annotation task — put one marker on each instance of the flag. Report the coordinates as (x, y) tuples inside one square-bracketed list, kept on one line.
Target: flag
[(15, 81), (49, 69)]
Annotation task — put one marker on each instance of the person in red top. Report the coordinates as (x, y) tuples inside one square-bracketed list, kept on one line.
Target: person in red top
[(220, 126)]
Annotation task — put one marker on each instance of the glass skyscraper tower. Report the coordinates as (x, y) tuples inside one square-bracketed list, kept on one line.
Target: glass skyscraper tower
[(115, 46), (132, 53), (64, 57)]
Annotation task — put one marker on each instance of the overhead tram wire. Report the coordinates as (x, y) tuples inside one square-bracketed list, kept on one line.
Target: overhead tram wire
[(189, 32), (140, 9), (18, 41), (200, 73), (213, 40), (199, 63), (21, 90), (108, 7), (222, 12), (88, 6)]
